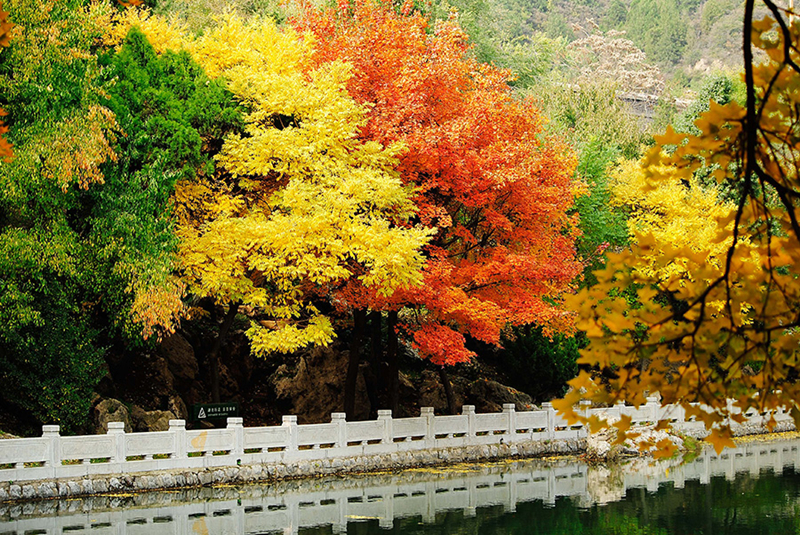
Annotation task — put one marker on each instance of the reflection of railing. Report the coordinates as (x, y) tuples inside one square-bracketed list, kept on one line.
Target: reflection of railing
[(287, 506), (54, 456)]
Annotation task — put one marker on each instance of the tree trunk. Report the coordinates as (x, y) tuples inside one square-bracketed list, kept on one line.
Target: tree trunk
[(213, 357), (376, 360), (393, 379), (448, 391), (371, 377), (359, 326)]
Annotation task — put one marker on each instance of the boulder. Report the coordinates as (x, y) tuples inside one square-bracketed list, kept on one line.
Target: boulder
[(110, 410), (600, 447), (431, 391), (150, 420), (229, 389), (315, 386), (179, 356), (489, 396), (177, 407)]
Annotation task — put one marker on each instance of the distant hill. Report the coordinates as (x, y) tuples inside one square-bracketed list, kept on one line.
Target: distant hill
[(685, 38)]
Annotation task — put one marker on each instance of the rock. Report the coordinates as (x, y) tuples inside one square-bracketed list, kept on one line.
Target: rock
[(177, 407), (151, 420), (179, 356), (47, 490), (74, 488), (87, 486), (599, 445), (489, 396), (431, 391), (28, 492), (144, 379), (110, 410), (599, 448), (228, 387), (205, 478), (315, 386)]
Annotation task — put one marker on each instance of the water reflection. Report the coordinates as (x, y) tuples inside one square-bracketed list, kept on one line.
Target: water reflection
[(532, 496)]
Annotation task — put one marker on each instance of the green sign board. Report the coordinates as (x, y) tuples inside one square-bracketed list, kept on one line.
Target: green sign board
[(214, 411)]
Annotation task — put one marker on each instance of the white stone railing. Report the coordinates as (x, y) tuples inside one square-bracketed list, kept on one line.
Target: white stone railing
[(336, 502), (53, 456)]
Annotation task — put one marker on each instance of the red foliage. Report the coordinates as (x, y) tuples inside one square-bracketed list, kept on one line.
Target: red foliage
[(497, 190)]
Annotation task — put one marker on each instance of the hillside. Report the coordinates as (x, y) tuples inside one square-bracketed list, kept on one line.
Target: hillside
[(685, 38)]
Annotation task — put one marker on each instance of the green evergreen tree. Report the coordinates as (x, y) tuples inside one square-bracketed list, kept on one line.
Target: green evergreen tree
[(85, 225)]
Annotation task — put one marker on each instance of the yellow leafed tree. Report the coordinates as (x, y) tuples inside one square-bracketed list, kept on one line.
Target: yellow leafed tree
[(298, 204), (720, 336), (679, 213)]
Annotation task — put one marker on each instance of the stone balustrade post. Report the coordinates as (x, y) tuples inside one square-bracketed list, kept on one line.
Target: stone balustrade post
[(619, 406), (385, 416), (52, 434), (469, 412), (585, 406), (510, 410), (290, 422), (117, 430), (551, 419), (430, 433), (654, 404), (236, 424), (340, 419), (178, 429)]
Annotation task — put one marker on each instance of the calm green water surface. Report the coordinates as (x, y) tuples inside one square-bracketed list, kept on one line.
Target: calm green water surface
[(751, 490), (766, 505)]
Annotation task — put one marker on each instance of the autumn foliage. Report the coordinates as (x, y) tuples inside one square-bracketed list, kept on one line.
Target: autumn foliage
[(295, 176), (496, 191), (712, 323)]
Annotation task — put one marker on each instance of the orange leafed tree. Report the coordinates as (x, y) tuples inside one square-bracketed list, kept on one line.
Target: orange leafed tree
[(485, 176)]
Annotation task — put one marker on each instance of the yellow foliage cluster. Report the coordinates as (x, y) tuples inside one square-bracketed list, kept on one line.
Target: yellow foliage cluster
[(299, 204), (677, 211)]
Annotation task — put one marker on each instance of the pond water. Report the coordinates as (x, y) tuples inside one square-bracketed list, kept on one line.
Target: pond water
[(753, 489)]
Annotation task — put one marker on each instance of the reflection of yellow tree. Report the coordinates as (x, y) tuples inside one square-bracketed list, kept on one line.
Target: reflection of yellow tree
[(674, 341), (300, 204)]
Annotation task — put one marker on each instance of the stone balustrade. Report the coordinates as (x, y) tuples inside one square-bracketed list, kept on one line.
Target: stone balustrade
[(53, 456), (330, 504)]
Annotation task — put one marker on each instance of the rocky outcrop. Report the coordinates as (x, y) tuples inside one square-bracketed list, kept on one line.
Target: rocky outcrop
[(489, 396), (486, 395), (178, 355), (600, 445), (110, 410), (315, 386), (431, 391), (150, 420)]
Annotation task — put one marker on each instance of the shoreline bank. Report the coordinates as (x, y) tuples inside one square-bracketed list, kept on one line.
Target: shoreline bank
[(268, 472)]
